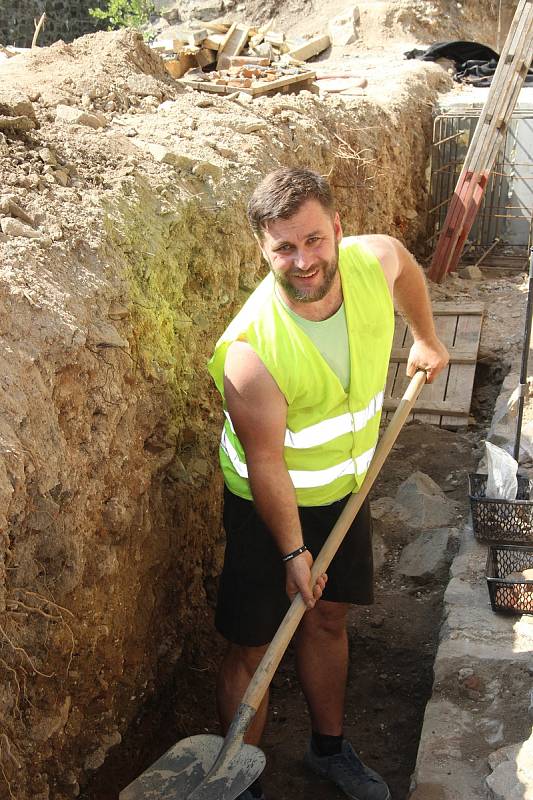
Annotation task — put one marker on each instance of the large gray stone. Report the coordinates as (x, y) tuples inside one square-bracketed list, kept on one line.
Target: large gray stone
[(512, 776), (429, 556), (425, 504)]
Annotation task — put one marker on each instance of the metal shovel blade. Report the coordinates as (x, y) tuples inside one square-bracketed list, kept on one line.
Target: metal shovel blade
[(182, 773)]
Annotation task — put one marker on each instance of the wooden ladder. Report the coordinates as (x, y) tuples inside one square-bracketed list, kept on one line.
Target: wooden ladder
[(507, 82)]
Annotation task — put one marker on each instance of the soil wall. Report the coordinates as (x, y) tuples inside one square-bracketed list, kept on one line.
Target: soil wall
[(110, 537)]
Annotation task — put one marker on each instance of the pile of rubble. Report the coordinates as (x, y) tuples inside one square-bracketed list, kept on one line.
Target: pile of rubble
[(221, 57)]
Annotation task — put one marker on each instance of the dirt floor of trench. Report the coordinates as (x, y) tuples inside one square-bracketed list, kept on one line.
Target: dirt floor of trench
[(392, 646)]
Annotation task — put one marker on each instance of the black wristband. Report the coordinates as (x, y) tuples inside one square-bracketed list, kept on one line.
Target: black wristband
[(294, 553)]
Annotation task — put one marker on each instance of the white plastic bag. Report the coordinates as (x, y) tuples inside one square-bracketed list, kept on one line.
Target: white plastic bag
[(501, 468)]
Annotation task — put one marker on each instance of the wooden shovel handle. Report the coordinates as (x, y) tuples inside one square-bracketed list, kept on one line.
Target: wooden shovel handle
[(270, 661)]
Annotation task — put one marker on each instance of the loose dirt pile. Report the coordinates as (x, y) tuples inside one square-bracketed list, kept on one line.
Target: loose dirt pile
[(125, 251)]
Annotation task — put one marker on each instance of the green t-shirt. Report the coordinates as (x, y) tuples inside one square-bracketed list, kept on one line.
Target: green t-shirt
[(330, 337)]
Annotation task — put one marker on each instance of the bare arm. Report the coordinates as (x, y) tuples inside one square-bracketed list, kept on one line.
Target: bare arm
[(407, 285), (258, 411)]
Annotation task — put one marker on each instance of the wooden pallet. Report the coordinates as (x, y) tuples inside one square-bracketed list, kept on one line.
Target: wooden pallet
[(490, 131), (257, 88), (446, 402)]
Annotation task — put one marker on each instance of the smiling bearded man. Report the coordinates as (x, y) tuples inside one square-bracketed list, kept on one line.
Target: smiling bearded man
[(301, 370)]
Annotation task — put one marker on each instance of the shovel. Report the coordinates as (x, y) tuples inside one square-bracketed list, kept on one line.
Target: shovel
[(210, 767)]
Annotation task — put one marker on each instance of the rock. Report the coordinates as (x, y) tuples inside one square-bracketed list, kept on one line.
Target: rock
[(243, 97), (343, 28), (48, 156), (4, 147), (429, 556), (102, 334), (8, 205), (61, 177), (204, 169), (424, 502), (512, 776), (202, 9), (251, 127), (471, 272), (118, 311), (48, 726), (17, 123), (383, 507), (264, 50), (95, 759), (13, 227), (225, 152), (78, 116), (16, 104), (164, 155)]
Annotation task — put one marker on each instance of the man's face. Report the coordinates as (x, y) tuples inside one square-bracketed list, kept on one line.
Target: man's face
[(302, 252)]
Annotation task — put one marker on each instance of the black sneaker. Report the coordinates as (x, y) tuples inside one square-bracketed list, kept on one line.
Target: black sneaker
[(346, 769)]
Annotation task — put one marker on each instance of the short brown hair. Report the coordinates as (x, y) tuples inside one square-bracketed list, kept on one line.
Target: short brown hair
[(281, 194)]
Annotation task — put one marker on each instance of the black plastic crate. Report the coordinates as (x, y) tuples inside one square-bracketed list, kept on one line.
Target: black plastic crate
[(509, 595), (508, 521)]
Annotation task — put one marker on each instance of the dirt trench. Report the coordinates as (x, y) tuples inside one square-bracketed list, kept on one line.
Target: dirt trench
[(392, 644), (111, 539)]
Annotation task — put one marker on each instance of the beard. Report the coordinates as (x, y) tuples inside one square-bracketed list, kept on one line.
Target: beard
[(302, 294)]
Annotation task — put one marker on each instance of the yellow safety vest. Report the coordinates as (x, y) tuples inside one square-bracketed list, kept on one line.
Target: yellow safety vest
[(331, 435)]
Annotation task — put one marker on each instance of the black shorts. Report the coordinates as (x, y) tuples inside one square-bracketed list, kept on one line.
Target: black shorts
[(251, 597)]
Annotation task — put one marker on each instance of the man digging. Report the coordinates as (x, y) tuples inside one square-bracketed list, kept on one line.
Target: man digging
[(301, 370)]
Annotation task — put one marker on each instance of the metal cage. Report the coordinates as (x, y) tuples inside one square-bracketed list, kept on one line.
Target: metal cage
[(504, 224)]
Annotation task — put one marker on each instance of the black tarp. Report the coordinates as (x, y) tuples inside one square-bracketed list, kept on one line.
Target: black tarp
[(475, 63)]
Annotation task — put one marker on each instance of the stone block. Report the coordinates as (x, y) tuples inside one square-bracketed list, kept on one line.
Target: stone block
[(512, 776), (343, 28), (471, 273), (424, 502), (429, 556)]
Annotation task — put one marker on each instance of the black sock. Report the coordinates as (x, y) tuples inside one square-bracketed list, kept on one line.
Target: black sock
[(255, 789), (324, 745)]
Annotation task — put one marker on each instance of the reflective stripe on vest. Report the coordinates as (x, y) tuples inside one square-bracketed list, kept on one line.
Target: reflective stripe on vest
[(308, 478), (328, 429)]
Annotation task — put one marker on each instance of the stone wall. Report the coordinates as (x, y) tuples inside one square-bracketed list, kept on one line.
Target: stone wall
[(67, 19)]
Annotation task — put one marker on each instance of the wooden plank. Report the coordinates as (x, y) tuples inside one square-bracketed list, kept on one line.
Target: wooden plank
[(457, 355), (205, 57), (213, 41), (254, 61), (436, 408), (311, 48), (446, 400), (395, 374), (233, 44), (177, 67), (453, 309), (461, 377), (258, 88), (194, 37), (207, 86), (275, 38), (217, 27), (445, 327)]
